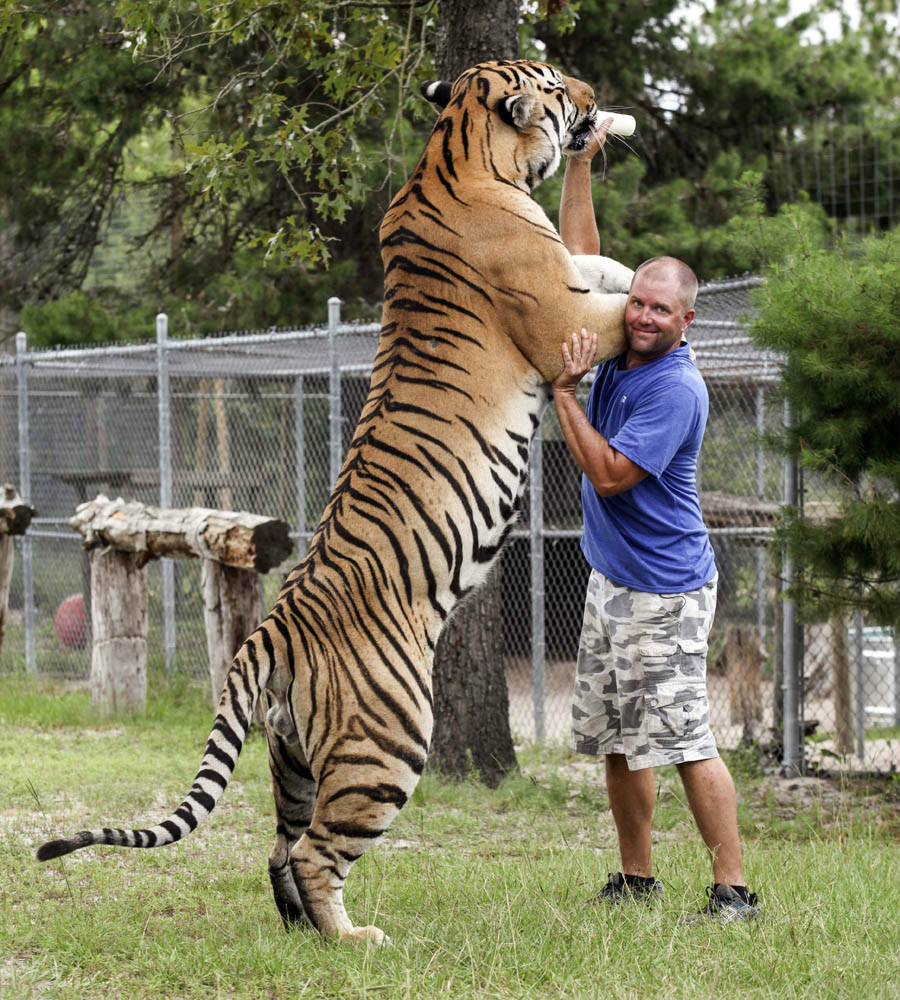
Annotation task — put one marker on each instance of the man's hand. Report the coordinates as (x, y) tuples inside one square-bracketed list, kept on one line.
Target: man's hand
[(609, 471), (596, 141), (578, 360), (577, 225)]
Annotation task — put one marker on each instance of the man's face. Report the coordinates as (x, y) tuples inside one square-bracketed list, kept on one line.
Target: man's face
[(654, 316)]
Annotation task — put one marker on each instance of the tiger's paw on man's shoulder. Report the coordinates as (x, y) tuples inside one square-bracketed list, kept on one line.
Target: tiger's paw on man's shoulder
[(603, 274)]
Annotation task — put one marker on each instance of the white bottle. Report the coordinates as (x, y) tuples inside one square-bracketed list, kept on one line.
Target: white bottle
[(621, 124)]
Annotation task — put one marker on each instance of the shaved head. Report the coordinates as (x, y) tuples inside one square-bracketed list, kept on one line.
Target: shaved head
[(672, 269)]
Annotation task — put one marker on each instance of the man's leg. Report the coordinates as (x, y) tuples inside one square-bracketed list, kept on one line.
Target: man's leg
[(632, 796), (711, 796)]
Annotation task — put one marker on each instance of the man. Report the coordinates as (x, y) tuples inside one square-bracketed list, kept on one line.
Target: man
[(640, 692)]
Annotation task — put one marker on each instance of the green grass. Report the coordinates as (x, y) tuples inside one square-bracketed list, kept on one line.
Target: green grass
[(479, 890)]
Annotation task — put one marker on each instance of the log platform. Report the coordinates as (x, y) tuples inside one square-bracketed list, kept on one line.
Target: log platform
[(122, 537)]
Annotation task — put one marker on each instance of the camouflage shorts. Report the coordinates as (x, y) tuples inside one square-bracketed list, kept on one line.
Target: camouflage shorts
[(640, 682)]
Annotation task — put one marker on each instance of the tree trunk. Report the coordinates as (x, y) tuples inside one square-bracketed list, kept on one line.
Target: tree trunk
[(119, 626), (471, 701), (472, 31)]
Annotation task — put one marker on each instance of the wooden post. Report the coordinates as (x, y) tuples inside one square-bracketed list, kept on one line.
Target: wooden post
[(232, 606), (119, 628), (842, 692), (15, 516), (6, 568), (222, 440)]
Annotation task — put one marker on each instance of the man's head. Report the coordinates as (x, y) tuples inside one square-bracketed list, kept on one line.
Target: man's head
[(660, 308)]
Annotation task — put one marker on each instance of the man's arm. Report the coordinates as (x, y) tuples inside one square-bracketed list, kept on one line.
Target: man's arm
[(608, 470), (577, 224)]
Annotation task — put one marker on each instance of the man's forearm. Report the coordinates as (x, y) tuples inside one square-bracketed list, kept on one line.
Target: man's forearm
[(577, 224), (589, 448), (608, 471)]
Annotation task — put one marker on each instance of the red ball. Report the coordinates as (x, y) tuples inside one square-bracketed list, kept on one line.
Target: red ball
[(69, 622)]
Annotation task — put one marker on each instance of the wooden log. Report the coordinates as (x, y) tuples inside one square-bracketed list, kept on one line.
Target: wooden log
[(235, 538), (743, 655), (232, 607), (15, 516), (119, 623)]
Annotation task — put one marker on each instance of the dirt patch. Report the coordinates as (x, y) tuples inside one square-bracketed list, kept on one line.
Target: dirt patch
[(834, 800)]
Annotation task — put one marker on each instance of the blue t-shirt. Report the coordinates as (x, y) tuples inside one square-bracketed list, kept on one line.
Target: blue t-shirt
[(651, 537)]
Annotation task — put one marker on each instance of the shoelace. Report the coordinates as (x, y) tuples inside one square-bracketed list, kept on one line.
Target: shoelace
[(715, 903), (712, 901)]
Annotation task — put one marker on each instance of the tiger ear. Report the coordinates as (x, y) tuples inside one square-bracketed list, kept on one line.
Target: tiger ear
[(437, 91), (516, 110)]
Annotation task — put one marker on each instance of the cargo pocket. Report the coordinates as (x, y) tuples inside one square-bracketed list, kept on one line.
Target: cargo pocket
[(655, 653), (692, 658), (677, 710)]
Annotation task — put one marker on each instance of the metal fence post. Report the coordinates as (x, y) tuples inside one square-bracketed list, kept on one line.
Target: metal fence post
[(165, 484), (25, 491), (300, 463), (791, 763), (859, 690), (896, 678), (334, 391), (536, 540), (760, 493)]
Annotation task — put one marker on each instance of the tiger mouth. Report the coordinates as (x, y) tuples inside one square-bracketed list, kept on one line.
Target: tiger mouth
[(578, 137)]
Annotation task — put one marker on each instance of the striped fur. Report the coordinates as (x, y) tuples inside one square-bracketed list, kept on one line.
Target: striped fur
[(479, 293)]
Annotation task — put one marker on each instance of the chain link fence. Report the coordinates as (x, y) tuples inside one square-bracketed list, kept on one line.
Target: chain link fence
[(260, 422)]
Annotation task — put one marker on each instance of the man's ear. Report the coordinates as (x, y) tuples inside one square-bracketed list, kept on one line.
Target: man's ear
[(437, 91), (516, 110)]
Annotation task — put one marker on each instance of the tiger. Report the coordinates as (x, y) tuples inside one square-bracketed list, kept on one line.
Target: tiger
[(479, 293)]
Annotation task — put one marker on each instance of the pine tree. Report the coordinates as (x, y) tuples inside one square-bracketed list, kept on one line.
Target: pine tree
[(834, 315)]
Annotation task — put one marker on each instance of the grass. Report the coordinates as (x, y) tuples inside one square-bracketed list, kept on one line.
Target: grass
[(479, 890)]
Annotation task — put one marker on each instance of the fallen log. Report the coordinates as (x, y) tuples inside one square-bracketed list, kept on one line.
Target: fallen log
[(234, 538)]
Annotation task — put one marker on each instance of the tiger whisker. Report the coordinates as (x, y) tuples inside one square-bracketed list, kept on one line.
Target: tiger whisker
[(601, 140)]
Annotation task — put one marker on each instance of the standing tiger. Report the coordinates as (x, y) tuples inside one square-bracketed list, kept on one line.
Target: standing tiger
[(479, 294)]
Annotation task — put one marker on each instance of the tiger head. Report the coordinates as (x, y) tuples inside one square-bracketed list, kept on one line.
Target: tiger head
[(527, 113)]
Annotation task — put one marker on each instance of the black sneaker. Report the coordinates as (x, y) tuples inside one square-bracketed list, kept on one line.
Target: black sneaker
[(724, 905), (617, 890)]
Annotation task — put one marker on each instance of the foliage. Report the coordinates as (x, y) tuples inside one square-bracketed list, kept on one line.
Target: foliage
[(270, 121), (288, 91), (71, 99), (835, 316), (728, 76), (245, 296), (251, 144)]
